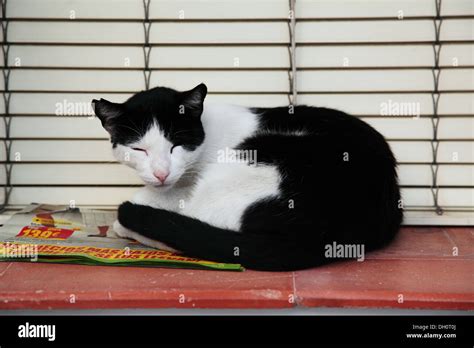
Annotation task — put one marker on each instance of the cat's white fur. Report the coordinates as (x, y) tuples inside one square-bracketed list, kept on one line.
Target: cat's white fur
[(126, 233), (213, 192)]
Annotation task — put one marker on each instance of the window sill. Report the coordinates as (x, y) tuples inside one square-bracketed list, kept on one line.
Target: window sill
[(418, 271)]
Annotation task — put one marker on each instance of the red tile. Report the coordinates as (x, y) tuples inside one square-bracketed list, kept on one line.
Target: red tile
[(429, 284), (463, 239), (40, 286), (417, 242)]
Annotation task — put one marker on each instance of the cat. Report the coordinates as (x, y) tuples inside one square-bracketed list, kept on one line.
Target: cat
[(269, 188)]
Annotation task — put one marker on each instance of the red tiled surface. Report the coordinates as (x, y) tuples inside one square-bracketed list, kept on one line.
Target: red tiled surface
[(51, 286), (428, 284), (418, 243), (419, 270)]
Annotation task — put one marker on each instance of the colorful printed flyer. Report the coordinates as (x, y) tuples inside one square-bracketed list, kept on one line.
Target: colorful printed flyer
[(60, 234)]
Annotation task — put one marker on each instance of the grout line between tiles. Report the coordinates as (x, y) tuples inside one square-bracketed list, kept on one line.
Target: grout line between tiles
[(295, 296), (453, 243), (6, 269)]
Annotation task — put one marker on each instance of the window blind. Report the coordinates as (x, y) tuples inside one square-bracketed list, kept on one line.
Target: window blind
[(405, 67)]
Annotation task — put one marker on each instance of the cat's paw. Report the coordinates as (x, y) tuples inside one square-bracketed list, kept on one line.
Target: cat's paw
[(120, 230), (124, 232)]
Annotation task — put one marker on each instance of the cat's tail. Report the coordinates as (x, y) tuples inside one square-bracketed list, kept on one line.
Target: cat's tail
[(195, 238)]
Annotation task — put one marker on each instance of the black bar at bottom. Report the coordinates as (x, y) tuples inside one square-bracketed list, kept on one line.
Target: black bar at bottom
[(103, 330)]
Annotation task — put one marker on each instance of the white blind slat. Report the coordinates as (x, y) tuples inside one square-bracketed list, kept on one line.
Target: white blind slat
[(118, 174), (100, 150), (238, 32), (238, 81), (185, 57), (90, 127), (231, 9)]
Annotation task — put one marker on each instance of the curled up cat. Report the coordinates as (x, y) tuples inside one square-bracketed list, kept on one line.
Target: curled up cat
[(269, 188)]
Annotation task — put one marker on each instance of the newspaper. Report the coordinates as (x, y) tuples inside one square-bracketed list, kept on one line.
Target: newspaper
[(61, 234)]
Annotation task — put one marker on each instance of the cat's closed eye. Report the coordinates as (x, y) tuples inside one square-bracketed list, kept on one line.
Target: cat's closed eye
[(140, 149)]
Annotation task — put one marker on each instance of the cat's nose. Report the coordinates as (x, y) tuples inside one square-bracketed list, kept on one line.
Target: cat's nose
[(161, 175)]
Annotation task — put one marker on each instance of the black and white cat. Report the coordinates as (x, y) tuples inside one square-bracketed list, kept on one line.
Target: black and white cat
[(269, 188)]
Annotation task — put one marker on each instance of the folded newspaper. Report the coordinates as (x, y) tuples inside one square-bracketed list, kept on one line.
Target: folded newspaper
[(60, 234)]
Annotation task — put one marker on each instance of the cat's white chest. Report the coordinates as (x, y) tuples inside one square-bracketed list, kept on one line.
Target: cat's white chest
[(223, 190), (226, 190)]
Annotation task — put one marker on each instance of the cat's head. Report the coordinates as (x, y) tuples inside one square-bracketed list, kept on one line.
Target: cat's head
[(157, 132)]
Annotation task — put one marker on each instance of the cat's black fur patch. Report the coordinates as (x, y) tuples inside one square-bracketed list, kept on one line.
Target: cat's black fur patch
[(177, 114), (339, 184), (340, 178), (259, 251)]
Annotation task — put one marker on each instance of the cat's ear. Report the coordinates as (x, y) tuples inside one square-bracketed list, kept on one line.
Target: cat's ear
[(193, 99), (107, 111)]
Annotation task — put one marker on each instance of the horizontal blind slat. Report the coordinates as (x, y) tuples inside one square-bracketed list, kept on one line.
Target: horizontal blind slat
[(159, 9), (382, 31), (383, 56), (38, 127), (448, 197), (100, 150), (75, 32), (123, 9), (186, 57), (390, 31), (233, 9), (119, 174), (373, 104), (358, 104), (238, 81)]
